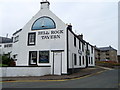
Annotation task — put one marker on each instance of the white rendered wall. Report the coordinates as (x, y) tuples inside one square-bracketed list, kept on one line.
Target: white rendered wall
[(91, 55), (22, 49), (73, 49), (24, 71)]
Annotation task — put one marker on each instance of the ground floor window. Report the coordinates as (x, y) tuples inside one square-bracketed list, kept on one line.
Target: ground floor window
[(43, 56), (91, 60), (32, 57), (80, 60), (75, 59), (83, 60)]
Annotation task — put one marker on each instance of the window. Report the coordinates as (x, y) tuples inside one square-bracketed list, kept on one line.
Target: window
[(107, 58), (107, 54), (7, 45), (31, 38), (83, 60), (0, 45), (82, 47), (43, 23), (75, 59), (75, 41), (79, 45), (32, 57), (43, 56), (16, 39), (91, 49), (80, 60), (91, 60)]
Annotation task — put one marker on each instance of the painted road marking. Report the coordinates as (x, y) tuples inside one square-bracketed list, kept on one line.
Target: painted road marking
[(54, 80), (106, 68), (87, 75)]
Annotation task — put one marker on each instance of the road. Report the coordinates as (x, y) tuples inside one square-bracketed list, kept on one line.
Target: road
[(107, 79)]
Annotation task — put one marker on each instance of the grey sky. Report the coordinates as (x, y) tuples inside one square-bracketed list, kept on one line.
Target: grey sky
[(97, 20)]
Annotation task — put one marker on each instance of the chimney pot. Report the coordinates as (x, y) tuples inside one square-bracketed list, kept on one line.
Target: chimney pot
[(45, 4)]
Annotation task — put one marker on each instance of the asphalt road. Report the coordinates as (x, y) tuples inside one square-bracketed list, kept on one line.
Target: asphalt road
[(107, 79)]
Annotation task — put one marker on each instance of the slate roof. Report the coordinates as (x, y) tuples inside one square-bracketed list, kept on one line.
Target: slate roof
[(106, 48), (17, 31), (5, 40)]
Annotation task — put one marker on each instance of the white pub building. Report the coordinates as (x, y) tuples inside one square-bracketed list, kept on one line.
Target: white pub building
[(47, 42)]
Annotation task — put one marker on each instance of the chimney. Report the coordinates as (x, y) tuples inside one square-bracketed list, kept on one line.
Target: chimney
[(45, 4), (7, 35), (69, 27), (80, 36)]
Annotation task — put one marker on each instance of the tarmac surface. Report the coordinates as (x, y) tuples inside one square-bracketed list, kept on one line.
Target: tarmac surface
[(80, 73)]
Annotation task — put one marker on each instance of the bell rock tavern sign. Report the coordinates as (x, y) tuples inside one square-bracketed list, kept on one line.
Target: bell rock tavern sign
[(56, 34)]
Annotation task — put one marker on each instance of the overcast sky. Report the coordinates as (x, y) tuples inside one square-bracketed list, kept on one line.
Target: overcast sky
[(97, 20)]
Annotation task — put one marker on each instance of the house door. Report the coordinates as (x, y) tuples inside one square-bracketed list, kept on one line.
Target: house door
[(57, 63)]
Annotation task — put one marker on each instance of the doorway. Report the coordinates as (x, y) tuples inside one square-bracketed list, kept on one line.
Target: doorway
[(57, 63)]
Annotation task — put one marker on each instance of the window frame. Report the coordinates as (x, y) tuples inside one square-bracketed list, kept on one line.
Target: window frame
[(30, 52), (80, 61), (74, 41), (43, 28), (83, 46), (83, 60), (91, 60), (34, 33), (75, 59), (48, 57), (79, 45)]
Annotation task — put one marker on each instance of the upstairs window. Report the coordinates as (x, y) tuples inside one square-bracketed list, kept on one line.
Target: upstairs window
[(31, 38), (79, 45), (16, 39), (82, 47), (75, 41), (91, 49), (43, 23), (7, 45)]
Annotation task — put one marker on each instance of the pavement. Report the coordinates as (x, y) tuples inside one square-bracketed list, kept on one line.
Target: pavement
[(80, 73)]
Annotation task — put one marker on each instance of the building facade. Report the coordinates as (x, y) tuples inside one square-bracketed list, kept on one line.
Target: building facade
[(106, 54), (5, 45), (46, 41)]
